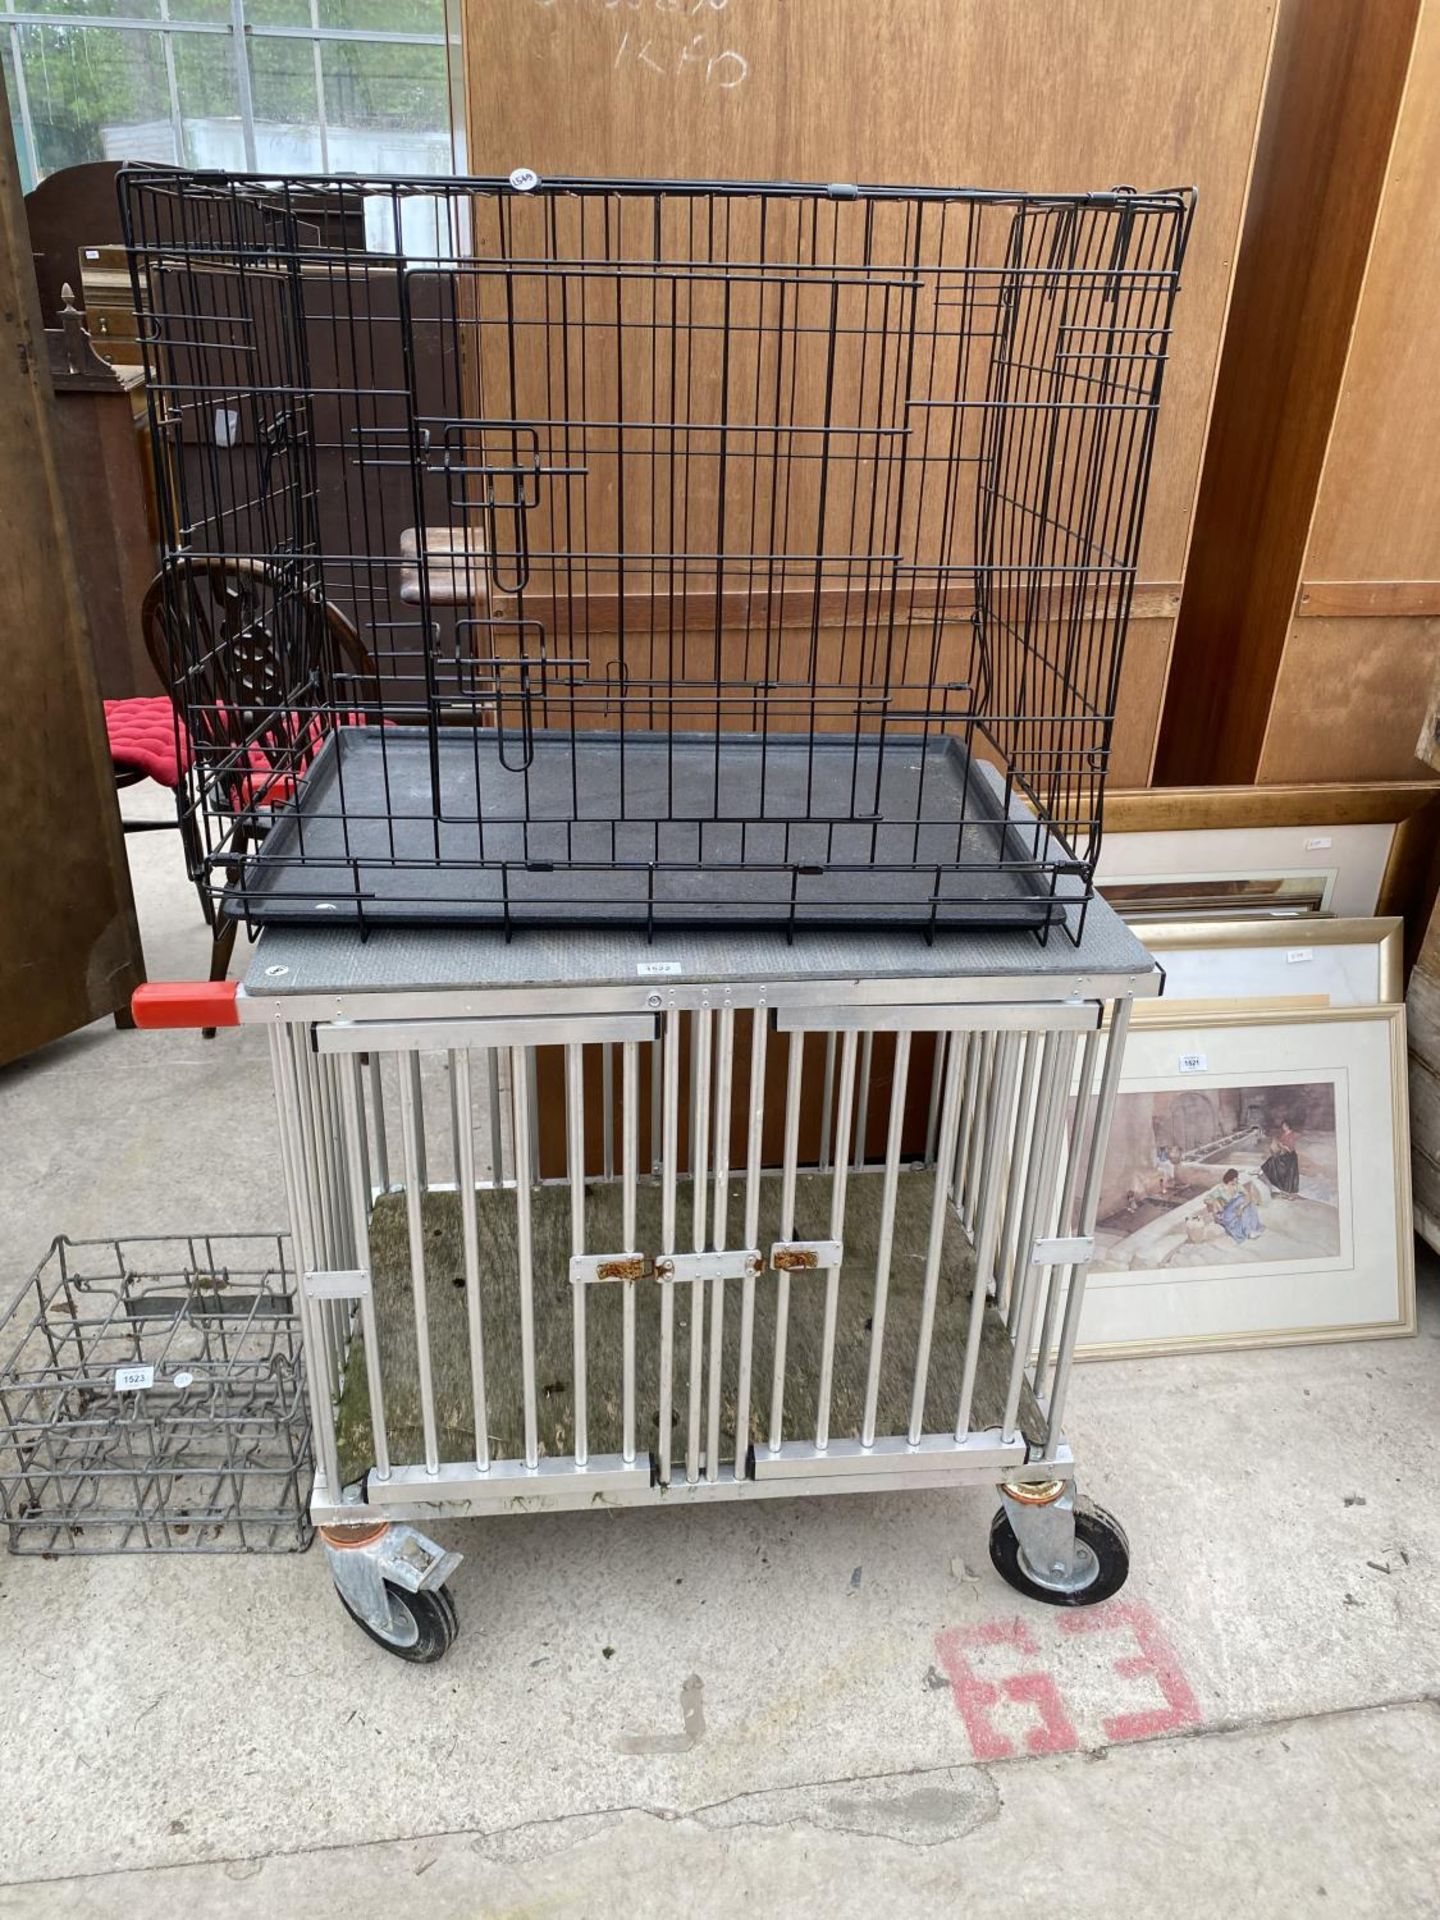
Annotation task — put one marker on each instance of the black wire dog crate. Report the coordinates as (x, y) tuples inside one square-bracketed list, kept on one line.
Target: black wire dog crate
[(632, 553)]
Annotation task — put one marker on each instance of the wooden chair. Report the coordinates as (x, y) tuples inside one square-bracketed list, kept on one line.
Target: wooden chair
[(221, 639)]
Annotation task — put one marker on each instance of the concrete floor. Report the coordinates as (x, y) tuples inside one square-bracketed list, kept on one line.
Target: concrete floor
[(886, 1727)]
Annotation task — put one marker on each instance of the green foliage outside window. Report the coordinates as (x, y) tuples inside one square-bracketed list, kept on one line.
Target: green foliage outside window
[(82, 78)]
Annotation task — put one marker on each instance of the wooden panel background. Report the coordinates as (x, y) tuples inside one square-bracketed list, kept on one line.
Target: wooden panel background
[(1362, 654), (931, 92), (1337, 78), (1350, 700)]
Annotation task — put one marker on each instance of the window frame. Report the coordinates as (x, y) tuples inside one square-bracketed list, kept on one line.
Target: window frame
[(241, 31)]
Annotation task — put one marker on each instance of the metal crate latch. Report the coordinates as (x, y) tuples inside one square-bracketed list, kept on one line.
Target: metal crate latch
[(588, 1268), (339, 1284), (806, 1256), (743, 1263), (1077, 1251)]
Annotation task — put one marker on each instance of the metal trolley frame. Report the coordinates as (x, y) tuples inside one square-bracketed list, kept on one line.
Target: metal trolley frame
[(759, 1219)]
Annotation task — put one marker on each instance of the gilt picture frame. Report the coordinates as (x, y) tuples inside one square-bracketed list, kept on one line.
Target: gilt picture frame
[(1256, 1189), (1346, 849), (1272, 965)]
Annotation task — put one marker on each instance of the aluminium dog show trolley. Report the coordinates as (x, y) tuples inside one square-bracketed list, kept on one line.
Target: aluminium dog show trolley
[(589, 1220)]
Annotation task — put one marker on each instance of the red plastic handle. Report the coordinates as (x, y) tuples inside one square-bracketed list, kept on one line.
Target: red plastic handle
[(186, 1003)]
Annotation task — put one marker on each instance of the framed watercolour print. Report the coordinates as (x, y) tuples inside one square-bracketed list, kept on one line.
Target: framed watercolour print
[(1256, 1189)]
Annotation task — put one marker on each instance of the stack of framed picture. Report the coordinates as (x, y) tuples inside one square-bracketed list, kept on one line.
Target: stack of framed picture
[(1256, 1191)]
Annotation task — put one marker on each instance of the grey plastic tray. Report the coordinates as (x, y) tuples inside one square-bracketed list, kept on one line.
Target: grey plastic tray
[(367, 842)]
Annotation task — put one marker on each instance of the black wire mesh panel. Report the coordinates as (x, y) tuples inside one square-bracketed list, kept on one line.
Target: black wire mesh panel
[(626, 552), (152, 1398)]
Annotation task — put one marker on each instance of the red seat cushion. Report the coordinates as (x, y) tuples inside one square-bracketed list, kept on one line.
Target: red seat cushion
[(146, 737), (143, 737)]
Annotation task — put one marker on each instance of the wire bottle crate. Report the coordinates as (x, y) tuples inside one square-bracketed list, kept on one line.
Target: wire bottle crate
[(152, 1398), (633, 552)]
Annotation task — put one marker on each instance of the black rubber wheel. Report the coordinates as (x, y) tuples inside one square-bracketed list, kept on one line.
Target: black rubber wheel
[(425, 1625), (1095, 1529)]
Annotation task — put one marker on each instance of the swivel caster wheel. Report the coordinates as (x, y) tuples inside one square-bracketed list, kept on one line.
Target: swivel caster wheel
[(391, 1582), (422, 1627), (1098, 1564)]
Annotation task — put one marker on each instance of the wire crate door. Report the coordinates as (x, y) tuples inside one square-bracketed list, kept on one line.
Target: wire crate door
[(666, 447)]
